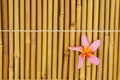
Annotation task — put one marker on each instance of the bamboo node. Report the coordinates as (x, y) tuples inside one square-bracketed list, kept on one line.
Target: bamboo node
[(88, 64), (4, 26), (61, 14), (73, 24), (112, 42), (44, 76), (66, 53), (79, 4), (10, 68), (17, 56), (106, 34), (73, 27)]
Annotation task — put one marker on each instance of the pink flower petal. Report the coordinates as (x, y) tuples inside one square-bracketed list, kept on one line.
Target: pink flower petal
[(80, 60), (93, 59), (94, 45), (85, 41), (78, 48)]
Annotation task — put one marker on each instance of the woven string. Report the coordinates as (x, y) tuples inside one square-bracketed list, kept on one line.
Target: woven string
[(59, 30)]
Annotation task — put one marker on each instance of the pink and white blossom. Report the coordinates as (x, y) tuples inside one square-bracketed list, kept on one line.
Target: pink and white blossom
[(86, 51)]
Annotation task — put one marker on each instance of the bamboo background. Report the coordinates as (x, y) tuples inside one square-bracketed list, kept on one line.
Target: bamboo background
[(45, 55)]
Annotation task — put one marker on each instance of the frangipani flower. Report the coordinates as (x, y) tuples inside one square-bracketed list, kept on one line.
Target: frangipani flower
[(86, 51)]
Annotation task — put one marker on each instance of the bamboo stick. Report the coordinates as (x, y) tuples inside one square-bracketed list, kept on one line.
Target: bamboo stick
[(72, 38), (118, 71), (44, 45), (100, 50), (60, 45), (11, 39), (66, 40), (16, 37), (22, 56), (78, 27), (33, 38), (89, 27), (5, 39), (106, 39), (84, 15), (39, 36), (27, 39), (115, 68), (50, 21), (111, 45), (95, 35), (55, 36), (1, 44)]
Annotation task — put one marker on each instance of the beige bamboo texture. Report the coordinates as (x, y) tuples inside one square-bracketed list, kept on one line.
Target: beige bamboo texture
[(45, 55), (4, 11)]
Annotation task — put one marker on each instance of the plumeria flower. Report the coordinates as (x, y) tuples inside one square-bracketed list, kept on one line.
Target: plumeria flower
[(86, 51)]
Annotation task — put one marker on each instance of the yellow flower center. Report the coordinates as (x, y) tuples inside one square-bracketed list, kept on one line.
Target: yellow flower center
[(86, 52)]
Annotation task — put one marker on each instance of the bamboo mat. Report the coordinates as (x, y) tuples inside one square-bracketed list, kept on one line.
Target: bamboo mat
[(35, 36)]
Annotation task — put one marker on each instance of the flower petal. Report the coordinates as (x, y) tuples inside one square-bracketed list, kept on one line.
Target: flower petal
[(85, 41), (93, 59), (80, 60), (78, 48), (94, 45)]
